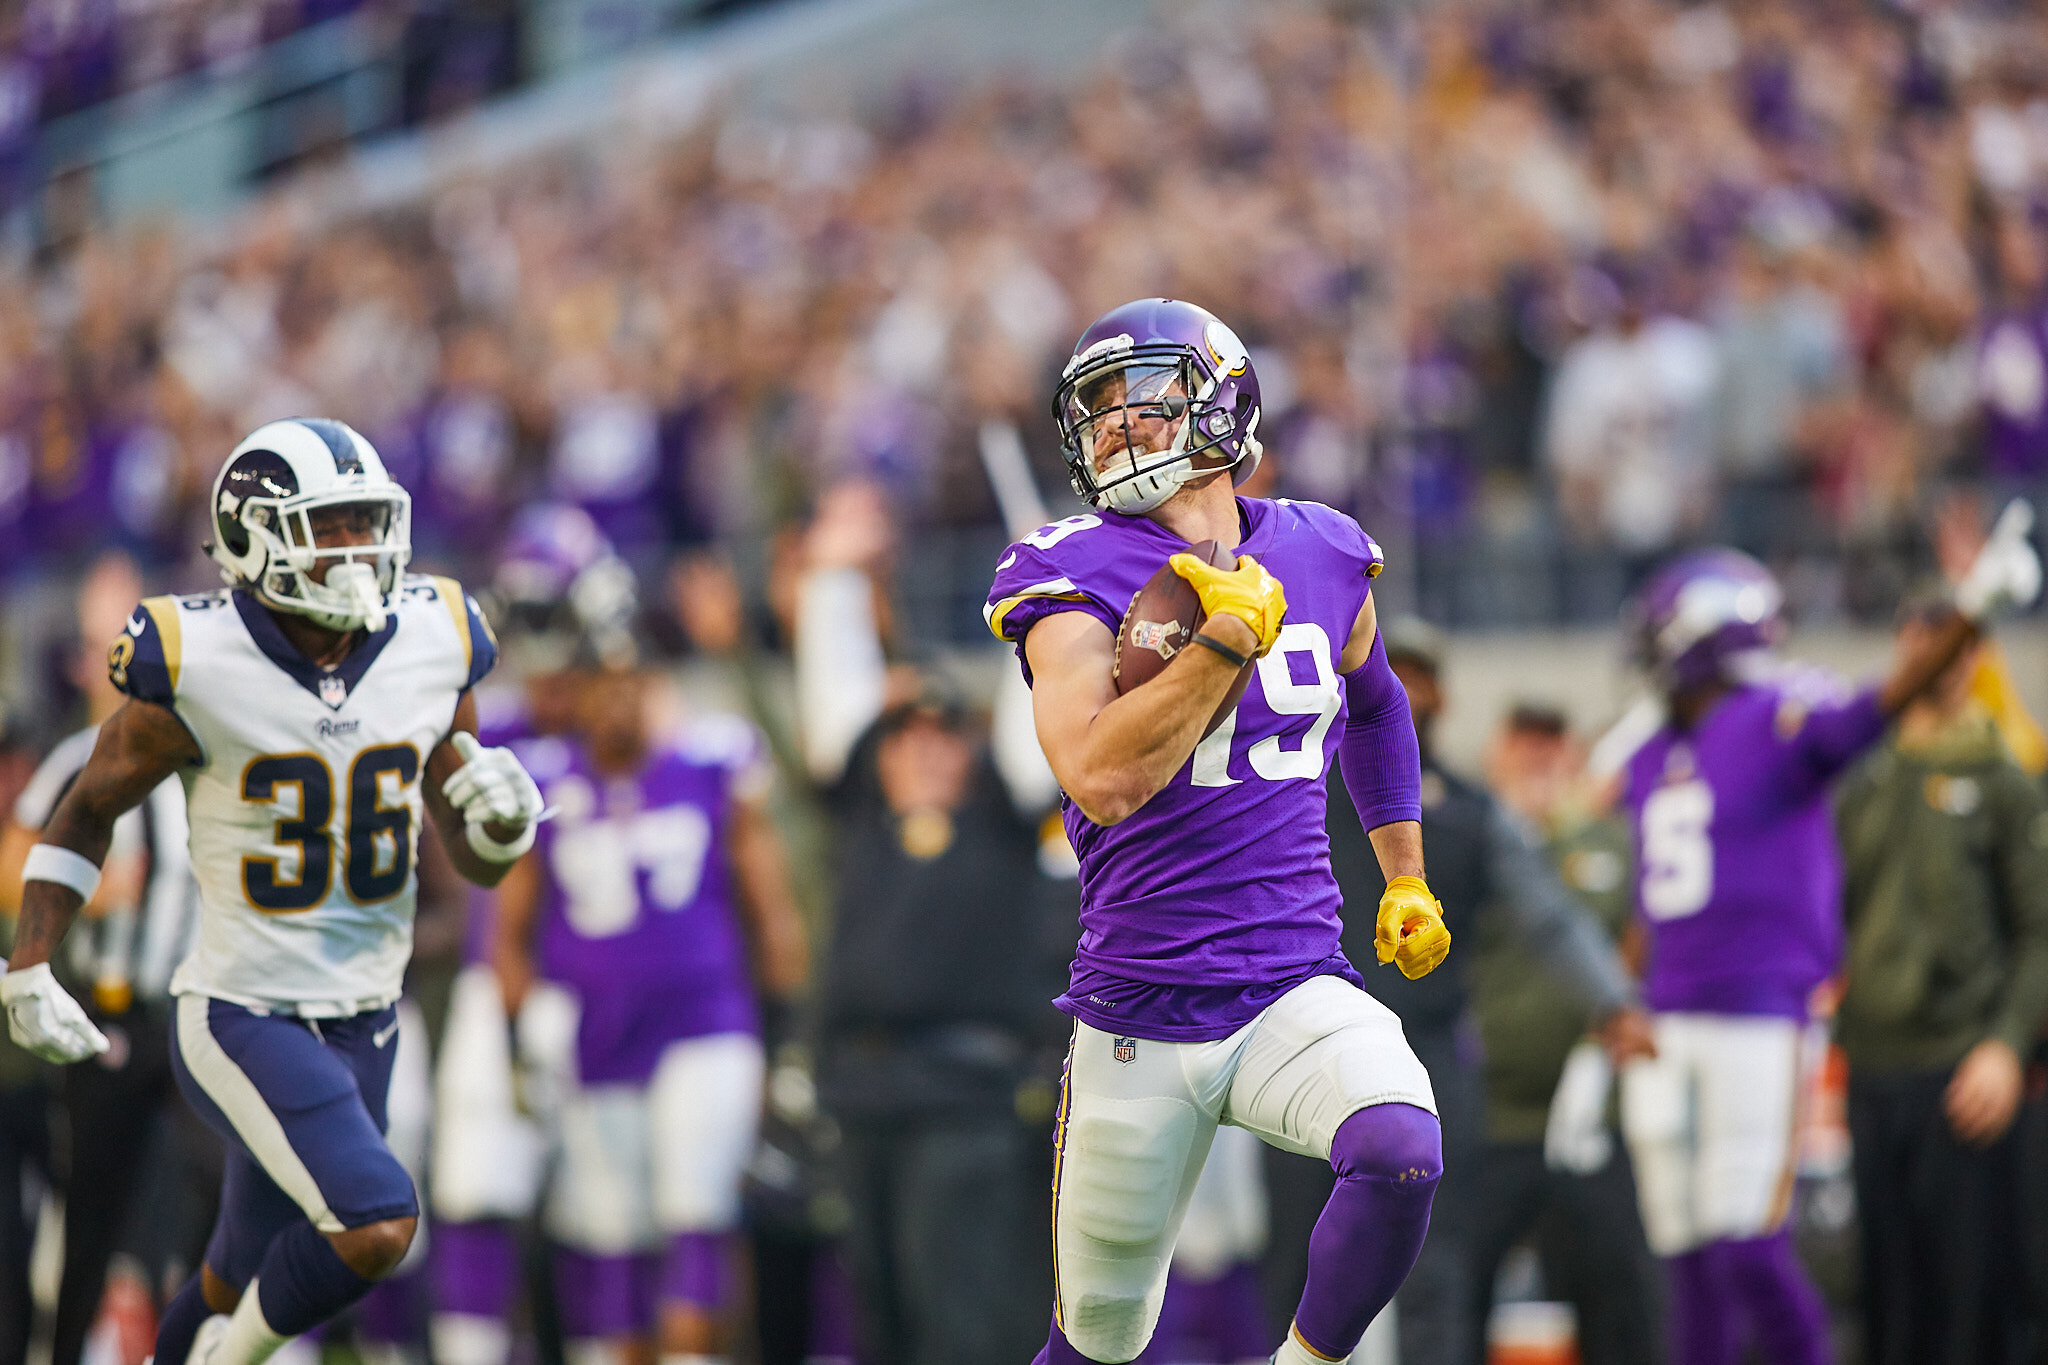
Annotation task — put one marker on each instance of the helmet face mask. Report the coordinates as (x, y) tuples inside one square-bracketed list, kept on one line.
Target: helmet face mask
[(1158, 393), (307, 519)]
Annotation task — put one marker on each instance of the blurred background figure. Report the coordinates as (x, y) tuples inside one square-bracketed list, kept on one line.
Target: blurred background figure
[(1939, 1016), (1553, 1171), (138, 1173), (660, 906), (558, 582), (936, 985)]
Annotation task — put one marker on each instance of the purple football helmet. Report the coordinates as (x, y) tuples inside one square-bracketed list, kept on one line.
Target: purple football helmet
[(1703, 612), (1158, 393), (558, 573)]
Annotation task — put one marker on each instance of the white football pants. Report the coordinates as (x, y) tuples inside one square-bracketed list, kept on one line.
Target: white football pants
[(642, 1162), (1137, 1117), (1711, 1124)]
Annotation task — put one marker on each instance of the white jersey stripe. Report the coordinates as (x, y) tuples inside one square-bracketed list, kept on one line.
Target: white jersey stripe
[(229, 1087)]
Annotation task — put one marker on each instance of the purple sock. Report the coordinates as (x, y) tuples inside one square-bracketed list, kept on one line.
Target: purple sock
[(1703, 1324), (391, 1313), (697, 1270), (303, 1281), (1388, 1160), (476, 1269), (1785, 1311), (605, 1296), (180, 1323)]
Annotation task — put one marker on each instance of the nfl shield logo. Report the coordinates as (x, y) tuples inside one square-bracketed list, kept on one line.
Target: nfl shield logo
[(1126, 1049), (334, 692)]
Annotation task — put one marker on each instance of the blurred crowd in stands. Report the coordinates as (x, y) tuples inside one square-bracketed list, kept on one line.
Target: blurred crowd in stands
[(1539, 292)]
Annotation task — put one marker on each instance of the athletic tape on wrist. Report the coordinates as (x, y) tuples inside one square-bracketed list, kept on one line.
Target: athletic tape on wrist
[(491, 851), (51, 863)]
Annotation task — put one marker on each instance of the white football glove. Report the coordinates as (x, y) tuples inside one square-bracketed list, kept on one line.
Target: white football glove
[(2007, 572), (492, 788), (43, 1018)]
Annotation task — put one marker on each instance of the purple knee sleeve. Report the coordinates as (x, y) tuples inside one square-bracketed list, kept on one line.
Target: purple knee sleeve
[(697, 1270), (1783, 1308), (1388, 1159), (476, 1268), (605, 1296)]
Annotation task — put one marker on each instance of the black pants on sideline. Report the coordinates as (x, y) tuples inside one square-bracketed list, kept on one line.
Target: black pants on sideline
[(24, 1147), (947, 1265), (127, 1135), (1941, 1274), (1589, 1236)]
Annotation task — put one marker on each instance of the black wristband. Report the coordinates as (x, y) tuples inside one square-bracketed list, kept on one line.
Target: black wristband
[(1237, 660)]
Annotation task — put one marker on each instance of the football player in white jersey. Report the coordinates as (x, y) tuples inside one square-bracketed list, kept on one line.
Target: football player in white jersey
[(315, 710)]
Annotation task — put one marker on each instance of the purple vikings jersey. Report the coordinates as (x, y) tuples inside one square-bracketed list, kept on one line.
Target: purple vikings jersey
[(1738, 878), (638, 916), (1216, 895)]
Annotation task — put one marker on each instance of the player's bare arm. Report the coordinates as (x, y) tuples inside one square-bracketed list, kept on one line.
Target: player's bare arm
[(782, 958), (517, 917), (1114, 753), (140, 745), (466, 837)]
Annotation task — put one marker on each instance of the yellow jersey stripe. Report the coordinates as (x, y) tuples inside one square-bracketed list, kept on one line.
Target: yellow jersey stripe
[(451, 598), (994, 615), (164, 611)]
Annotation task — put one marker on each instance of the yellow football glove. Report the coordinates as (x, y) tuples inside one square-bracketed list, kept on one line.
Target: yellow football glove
[(1247, 592), (1410, 932)]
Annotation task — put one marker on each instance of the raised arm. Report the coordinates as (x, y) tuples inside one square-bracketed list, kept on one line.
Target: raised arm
[(141, 744)]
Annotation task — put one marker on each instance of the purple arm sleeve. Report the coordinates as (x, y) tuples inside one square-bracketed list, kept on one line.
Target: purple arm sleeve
[(1835, 736), (1378, 754)]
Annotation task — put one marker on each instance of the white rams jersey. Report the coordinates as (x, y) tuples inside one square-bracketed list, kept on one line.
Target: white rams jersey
[(305, 806)]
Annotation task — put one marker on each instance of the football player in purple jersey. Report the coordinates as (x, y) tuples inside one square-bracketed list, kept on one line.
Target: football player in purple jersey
[(1209, 986), (557, 578), (658, 899), (1738, 890)]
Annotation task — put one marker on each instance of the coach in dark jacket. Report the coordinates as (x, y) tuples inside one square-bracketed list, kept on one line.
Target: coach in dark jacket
[(1945, 845)]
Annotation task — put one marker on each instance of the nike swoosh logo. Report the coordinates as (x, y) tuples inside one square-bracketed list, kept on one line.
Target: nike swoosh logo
[(383, 1035), (1008, 560)]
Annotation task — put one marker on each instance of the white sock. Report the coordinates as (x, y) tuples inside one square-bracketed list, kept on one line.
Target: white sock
[(249, 1340), (1292, 1352), (469, 1339)]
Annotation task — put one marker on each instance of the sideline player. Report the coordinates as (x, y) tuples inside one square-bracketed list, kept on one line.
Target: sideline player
[(557, 578), (645, 897), (1738, 890), (312, 709), (1209, 986)]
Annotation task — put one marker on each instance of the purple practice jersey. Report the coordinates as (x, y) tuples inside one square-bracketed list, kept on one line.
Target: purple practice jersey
[(1216, 895), (638, 917), (1738, 878)]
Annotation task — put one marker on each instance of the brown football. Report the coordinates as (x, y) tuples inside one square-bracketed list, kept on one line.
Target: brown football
[(1161, 621)]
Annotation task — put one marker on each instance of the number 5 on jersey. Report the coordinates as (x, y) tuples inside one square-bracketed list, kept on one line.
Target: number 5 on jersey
[(376, 843)]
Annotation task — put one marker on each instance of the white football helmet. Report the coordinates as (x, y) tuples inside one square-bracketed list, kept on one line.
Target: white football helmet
[(264, 499)]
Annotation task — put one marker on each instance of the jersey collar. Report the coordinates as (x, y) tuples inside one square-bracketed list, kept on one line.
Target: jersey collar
[(334, 685)]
